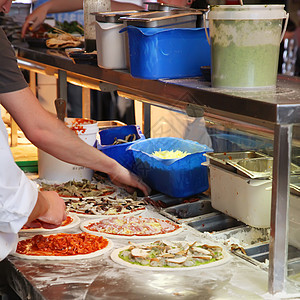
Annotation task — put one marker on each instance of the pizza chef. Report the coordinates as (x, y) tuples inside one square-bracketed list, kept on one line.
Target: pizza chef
[(20, 201)]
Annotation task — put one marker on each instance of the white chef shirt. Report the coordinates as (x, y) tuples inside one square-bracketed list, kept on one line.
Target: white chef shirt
[(18, 196)]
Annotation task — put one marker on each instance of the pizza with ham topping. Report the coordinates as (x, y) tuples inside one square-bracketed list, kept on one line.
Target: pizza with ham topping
[(133, 227), (62, 246)]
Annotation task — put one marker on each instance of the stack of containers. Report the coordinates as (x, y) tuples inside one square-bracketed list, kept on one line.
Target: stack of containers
[(159, 44)]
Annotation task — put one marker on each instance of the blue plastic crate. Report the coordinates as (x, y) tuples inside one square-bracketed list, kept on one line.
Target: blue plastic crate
[(167, 52), (106, 137), (180, 177)]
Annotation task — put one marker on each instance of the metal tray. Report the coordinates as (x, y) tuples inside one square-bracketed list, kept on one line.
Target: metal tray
[(244, 235), (295, 185), (187, 212), (162, 201), (215, 223), (258, 168), (114, 16), (223, 159), (172, 18)]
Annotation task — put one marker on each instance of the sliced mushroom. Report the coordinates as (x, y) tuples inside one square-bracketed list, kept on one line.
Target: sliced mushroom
[(177, 260), (201, 250), (206, 257), (140, 253), (168, 255)]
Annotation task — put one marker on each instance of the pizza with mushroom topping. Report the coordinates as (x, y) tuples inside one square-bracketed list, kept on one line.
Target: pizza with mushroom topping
[(170, 255), (79, 189), (105, 206)]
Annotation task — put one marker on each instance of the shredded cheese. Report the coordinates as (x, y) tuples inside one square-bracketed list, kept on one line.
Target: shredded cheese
[(170, 154)]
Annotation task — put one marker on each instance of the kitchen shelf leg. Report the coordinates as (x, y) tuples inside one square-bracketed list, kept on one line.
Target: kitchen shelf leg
[(279, 209)]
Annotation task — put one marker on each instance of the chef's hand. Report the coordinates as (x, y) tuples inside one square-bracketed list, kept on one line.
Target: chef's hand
[(35, 19), (120, 176), (49, 211)]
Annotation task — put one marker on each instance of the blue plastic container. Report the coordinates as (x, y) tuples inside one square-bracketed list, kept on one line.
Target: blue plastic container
[(180, 177), (106, 137), (167, 52)]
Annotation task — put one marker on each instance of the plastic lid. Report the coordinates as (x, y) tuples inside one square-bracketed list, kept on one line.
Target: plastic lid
[(246, 12)]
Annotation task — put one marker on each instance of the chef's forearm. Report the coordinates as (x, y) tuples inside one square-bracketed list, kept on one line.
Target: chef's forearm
[(55, 6)]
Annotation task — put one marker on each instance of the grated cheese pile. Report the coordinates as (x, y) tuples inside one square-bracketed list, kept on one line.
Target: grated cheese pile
[(170, 154)]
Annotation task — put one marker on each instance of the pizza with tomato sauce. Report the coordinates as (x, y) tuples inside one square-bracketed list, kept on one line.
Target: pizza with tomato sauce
[(71, 221), (63, 246), (134, 227)]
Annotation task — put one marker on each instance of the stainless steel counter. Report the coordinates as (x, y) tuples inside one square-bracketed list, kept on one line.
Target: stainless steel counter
[(101, 278), (278, 110)]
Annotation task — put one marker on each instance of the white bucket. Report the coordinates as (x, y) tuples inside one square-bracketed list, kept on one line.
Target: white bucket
[(54, 170), (245, 44), (111, 50)]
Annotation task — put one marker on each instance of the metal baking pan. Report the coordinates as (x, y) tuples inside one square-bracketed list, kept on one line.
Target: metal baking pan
[(260, 252), (295, 185), (170, 19), (113, 16), (244, 235), (258, 168), (187, 212), (223, 159), (215, 223)]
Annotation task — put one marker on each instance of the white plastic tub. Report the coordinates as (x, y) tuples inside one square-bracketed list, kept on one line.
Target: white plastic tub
[(111, 45), (248, 200), (54, 170), (245, 44)]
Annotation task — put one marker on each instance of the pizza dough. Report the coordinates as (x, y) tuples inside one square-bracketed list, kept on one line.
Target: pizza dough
[(74, 223), (65, 257), (141, 253), (133, 227)]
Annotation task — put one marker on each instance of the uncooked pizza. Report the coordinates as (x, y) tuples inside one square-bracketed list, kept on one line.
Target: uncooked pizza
[(105, 206), (79, 189), (71, 221), (63, 246), (170, 255), (131, 227)]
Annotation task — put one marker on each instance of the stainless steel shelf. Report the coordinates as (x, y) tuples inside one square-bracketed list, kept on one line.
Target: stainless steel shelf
[(278, 106)]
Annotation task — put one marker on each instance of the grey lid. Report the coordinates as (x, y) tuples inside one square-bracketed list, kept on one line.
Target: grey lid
[(161, 18), (113, 16)]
